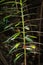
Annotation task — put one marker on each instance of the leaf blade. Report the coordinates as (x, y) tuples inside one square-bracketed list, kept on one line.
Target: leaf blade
[(14, 47), (17, 57)]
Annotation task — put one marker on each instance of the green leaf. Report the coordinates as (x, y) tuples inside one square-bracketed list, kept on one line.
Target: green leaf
[(8, 26), (32, 36), (28, 39), (15, 36), (11, 15), (11, 25), (29, 49), (2, 1), (6, 17), (19, 55), (14, 47), (7, 41), (12, 37), (27, 28), (17, 24), (11, 2)]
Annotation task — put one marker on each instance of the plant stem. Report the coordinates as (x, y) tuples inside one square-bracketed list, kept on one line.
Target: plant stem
[(23, 32)]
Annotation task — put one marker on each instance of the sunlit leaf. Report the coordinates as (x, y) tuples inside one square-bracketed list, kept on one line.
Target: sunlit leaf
[(14, 47), (33, 46), (11, 25), (28, 49), (2, 1), (27, 28), (17, 54)]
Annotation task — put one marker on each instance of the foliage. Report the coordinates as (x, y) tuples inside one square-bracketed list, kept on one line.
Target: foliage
[(25, 38)]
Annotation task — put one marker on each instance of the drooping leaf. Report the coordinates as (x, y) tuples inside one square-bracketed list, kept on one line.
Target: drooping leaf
[(14, 47), (19, 55)]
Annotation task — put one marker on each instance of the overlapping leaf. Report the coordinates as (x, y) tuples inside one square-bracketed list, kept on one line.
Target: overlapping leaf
[(12, 37), (28, 39), (18, 56), (14, 47)]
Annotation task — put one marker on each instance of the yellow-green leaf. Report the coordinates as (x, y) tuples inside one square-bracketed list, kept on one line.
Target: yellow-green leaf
[(8, 26), (14, 47), (15, 36)]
